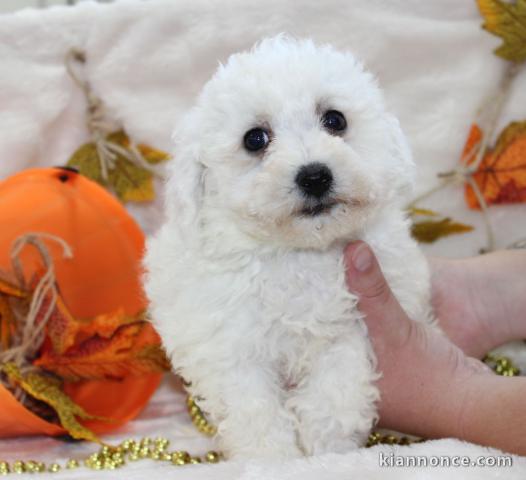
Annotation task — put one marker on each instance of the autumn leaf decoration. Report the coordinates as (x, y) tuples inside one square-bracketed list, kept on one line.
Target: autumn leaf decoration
[(111, 158), (428, 226), (498, 173), (501, 174), (106, 347), (130, 181), (8, 291), (508, 21), (60, 348), (48, 389), (491, 174)]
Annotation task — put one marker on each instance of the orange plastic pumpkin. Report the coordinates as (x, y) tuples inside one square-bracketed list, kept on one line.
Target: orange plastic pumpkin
[(103, 276)]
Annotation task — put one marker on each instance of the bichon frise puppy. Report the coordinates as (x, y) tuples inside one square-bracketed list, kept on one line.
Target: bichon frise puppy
[(288, 155)]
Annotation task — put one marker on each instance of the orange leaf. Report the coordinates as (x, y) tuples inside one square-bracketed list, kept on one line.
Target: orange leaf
[(108, 346), (6, 322), (62, 328), (501, 176), (7, 289), (130, 350)]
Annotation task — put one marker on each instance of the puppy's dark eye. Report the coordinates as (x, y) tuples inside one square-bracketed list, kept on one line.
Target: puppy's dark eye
[(334, 121), (256, 139)]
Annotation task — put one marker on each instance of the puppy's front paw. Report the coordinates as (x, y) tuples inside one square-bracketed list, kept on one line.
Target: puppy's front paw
[(273, 439)]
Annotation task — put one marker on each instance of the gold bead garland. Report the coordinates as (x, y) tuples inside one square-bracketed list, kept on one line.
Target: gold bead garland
[(502, 365), (198, 418), (111, 458)]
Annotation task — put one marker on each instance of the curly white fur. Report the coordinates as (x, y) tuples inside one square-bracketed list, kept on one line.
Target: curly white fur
[(247, 293)]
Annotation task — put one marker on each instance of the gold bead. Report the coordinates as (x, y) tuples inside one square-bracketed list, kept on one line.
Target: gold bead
[(72, 463), (167, 457), (54, 467), (195, 460), (178, 461), (133, 457), (118, 450), (161, 446), (146, 441), (19, 467), (144, 452), (210, 430), (182, 455), (212, 457), (4, 468)]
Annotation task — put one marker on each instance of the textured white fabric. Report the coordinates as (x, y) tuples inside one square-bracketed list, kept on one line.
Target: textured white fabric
[(147, 60)]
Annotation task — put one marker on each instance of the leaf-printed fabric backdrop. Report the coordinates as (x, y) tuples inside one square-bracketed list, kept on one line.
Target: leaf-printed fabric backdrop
[(148, 60)]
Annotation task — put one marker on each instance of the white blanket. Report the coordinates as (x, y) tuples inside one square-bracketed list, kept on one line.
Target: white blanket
[(147, 60)]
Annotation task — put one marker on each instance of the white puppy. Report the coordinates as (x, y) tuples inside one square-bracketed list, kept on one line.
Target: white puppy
[(288, 155)]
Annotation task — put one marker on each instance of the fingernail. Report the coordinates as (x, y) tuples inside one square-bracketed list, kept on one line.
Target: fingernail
[(362, 258)]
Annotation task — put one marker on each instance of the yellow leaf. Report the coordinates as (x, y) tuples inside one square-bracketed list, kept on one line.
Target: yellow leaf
[(49, 390), (422, 211), (508, 21), (428, 231), (86, 160), (130, 182), (152, 155)]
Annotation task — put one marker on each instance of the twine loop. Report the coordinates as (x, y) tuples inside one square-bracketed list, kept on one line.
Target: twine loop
[(98, 126), (30, 323)]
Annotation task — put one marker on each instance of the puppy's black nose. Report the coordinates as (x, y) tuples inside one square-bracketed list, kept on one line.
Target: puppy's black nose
[(314, 179)]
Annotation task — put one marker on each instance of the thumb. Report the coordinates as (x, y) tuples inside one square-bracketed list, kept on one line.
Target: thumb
[(365, 279)]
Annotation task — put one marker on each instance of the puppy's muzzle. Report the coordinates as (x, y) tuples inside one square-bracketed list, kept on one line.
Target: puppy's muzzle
[(314, 180)]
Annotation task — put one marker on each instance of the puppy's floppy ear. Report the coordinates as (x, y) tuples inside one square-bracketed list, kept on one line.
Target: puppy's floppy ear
[(404, 168), (185, 184)]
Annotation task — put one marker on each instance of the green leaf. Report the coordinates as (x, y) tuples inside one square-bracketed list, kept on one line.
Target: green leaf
[(130, 182), (86, 160), (508, 21), (429, 231)]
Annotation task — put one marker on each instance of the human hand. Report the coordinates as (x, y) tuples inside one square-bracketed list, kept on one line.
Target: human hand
[(420, 367), (480, 301)]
